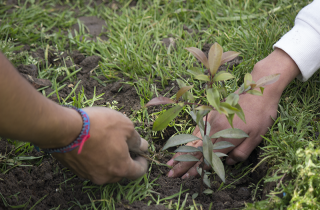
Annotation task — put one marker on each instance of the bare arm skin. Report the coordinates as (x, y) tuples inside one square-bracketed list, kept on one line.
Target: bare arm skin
[(27, 115), (259, 111)]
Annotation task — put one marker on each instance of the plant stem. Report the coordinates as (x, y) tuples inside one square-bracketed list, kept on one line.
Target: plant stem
[(202, 164)]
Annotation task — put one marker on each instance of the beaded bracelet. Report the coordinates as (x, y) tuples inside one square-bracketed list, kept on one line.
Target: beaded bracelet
[(80, 140)]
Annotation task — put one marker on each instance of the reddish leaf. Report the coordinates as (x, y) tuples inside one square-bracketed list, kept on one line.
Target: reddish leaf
[(182, 91), (214, 58), (199, 54), (160, 100), (228, 56), (267, 80), (252, 85)]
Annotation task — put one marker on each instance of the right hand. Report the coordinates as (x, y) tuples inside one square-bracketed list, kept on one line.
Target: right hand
[(105, 155), (259, 112)]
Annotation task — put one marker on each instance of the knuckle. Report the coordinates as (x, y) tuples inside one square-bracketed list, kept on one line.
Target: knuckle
[(239, 155), (119, 170)]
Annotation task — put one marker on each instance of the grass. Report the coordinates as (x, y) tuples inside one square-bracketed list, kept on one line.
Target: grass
[(134, 48)]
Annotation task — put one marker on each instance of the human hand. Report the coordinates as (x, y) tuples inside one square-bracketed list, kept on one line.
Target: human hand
[(259, 112), (105, 155)]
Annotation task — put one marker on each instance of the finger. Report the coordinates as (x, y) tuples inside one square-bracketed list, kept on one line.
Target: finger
[(242, 151), (192, 172), (196, 143), (137, 168), (182, 167), (136, 143)]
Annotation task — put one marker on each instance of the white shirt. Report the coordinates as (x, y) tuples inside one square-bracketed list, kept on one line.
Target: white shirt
[(302, 42)]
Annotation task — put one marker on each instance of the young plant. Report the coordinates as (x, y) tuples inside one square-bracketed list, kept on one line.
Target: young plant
[(215, 91)]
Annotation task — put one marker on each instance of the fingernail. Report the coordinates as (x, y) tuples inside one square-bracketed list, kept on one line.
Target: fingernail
[(230, 161), (170, 162), (186, 176), (170, 174)]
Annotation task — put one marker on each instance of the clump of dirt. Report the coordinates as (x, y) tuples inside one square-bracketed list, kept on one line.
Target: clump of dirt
[(93, 26), (50, 181)]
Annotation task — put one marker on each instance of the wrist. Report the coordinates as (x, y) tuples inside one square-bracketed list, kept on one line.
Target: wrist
[(66, 127), (278, 62)]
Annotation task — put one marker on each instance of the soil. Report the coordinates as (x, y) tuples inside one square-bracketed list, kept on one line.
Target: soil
[(32, 183), (46, 183)]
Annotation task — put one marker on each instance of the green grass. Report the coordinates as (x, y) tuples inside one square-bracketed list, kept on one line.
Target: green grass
[(134, 48)]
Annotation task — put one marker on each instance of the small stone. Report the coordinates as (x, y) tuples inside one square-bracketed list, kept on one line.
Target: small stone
[(89, 63), (167, 42)]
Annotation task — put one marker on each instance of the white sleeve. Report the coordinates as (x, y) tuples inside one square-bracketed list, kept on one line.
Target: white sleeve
[(302, 42)]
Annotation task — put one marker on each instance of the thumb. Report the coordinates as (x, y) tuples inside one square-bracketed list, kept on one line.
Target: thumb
[(136, 143)]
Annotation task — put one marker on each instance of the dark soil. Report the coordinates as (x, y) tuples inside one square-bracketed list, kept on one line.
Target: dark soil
[(29, 184)]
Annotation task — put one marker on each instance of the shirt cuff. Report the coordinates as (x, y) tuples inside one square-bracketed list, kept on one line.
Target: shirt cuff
[(302, 44)]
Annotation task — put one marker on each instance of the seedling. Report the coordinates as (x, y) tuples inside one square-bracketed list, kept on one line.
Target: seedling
[(215, 91)]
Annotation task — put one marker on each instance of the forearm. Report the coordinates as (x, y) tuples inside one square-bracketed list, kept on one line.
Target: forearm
[(28, 116)]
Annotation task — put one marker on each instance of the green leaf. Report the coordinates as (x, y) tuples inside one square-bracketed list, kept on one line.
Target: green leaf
[(230, 119), (182, 91), (223, 111), (230, 109), (199, 118), (241, 89), (199, 54), (159, 100), (213, 97), (262, 89), (231, 133), (204, 107), (214, 58), (188, 96), (202, 77), (206, 180), (218, 166), (240, 113), (181, 83), (223, 91), (195, 71), (222, 145), (254, 92), (207, 149), (232, 99), (179, 139), (247, 80), (221, 76), (195, 195), (165, 118), (208, 191), (220, 154), (187, 149), (186, 158)]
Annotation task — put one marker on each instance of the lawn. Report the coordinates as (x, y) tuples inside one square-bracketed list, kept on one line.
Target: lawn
[(121, 54)]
